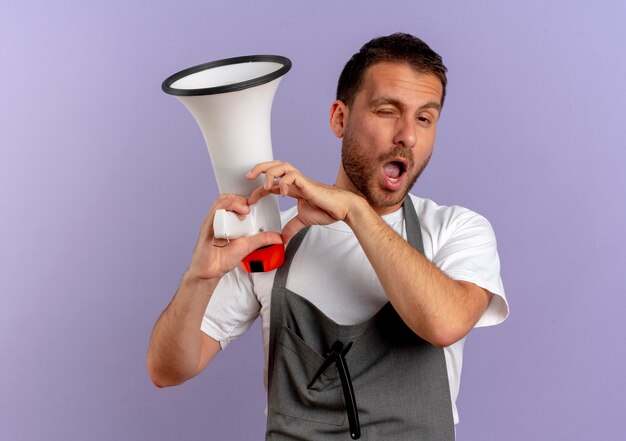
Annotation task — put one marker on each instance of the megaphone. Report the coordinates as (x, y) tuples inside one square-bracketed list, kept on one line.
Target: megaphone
[(231, 100)]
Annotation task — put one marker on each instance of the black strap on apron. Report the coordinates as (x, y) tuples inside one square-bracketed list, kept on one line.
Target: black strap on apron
[(397, 384)]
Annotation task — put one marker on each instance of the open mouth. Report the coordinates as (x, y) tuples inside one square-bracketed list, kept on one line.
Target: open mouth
[(394, 169), (393, 174)]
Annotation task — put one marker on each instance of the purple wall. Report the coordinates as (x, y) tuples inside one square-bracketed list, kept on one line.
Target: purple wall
[(105, 180)]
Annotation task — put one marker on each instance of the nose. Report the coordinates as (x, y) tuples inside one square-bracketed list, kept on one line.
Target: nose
[(406, 133)]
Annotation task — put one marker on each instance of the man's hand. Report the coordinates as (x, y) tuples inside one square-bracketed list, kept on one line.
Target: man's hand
[(178, 349), (318, 204), (212, 258)]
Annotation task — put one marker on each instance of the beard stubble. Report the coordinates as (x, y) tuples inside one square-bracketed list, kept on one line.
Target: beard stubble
[(362, 170)]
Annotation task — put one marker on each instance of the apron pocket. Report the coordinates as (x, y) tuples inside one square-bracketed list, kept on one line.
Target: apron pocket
[(295, 365)]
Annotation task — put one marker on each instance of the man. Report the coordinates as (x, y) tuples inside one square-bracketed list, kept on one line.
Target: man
[(364, 324)]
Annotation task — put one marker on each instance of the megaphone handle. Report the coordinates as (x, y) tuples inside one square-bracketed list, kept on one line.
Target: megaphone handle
[(227, 225)]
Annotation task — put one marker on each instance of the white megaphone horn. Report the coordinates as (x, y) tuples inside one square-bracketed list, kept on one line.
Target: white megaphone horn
[(231, 101)]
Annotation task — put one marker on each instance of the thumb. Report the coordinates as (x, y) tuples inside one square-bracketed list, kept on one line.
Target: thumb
[(263, 239), (291, 228)]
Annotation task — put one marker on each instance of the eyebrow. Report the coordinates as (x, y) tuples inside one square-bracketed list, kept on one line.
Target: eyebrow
[(394, 102)]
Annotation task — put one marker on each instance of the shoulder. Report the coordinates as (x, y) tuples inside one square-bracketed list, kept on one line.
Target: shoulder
[(443, 220)]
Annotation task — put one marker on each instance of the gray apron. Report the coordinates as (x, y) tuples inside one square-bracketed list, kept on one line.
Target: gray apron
[(398, 380)]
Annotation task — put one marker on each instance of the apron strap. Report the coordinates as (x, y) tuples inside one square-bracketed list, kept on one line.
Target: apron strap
[(280, 279), (276, 305), (412, 225)]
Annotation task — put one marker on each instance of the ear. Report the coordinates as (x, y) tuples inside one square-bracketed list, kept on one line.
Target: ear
[(338, 117)]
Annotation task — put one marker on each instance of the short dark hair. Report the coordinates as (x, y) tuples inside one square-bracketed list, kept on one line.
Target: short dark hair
[(398, 47)]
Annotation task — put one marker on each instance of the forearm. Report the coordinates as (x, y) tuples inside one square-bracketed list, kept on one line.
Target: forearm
[(435, 307), (175, 351)]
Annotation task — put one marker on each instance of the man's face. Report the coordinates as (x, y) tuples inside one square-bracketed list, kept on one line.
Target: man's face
[(388, 133)]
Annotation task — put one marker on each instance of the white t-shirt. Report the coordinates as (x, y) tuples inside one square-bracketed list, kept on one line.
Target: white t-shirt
[(331, 270)]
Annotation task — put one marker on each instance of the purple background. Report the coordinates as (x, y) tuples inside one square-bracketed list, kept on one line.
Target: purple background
[(105, 180)]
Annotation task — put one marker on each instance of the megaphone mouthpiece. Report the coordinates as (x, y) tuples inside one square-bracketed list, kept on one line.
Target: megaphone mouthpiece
[(227, 75)]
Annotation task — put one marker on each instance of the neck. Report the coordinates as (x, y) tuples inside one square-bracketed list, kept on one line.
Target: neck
[(343, 182)]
